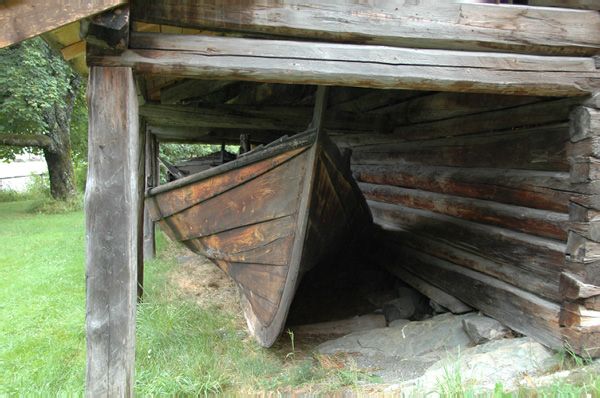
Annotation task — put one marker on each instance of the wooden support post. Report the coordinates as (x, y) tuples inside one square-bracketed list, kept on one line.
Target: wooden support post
[(113, 209), (150, 181)]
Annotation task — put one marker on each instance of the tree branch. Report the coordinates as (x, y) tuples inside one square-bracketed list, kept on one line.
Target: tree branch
[(36, 140)]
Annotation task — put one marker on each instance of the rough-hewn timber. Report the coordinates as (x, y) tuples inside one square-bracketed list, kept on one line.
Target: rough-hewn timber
[(472, 27), (113, 248), (354, 65)]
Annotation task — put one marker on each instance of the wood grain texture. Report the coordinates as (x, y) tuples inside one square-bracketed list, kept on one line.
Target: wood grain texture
[(472, 27), (535, 189), (540, 148), (521, 117), (151, 180), (537, 280), (531, 221), (537, 256), (519, 310), (113, 249), (22, 19), (265, 219), (355, 65)]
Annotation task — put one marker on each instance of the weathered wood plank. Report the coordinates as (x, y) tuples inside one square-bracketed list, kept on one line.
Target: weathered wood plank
[(185, 134), (583, 4), (572, 288), (539, 256), (531, 221), (183, 91), (582, 250), (354, 65), (584, 123), (529, 277), (540, 148), (536, 189), (446, 105), (520, 117), (227, 46), (438, 295), (22, 19), (342, 327), (519, 310), (152, 180), (573, 314), (592, 303), (471, 27), (113, 249), (280, 118), (108, 30)]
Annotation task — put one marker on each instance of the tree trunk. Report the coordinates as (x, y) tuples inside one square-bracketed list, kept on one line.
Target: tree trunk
[(62, 175), (59, 156)]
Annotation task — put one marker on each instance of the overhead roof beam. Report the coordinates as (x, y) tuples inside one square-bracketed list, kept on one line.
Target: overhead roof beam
[(472, 27), (353, 65), (23, 19)]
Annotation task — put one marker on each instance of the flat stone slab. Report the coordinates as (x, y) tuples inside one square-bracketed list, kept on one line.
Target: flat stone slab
[(421, 341), (503, 361)]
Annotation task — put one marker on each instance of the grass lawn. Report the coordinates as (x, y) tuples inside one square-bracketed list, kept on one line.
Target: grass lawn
[(42, 296), (180, 348)]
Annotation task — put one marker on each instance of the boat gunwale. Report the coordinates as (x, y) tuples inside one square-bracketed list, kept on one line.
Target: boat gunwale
[(286, 143)]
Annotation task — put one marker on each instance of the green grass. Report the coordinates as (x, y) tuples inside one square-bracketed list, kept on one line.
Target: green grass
[(42, 291), (181, 348)]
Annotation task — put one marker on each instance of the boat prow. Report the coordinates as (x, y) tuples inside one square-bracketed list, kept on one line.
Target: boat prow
[(265, 219)]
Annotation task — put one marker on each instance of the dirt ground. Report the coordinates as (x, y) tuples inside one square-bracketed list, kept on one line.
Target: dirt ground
[(209, 285)]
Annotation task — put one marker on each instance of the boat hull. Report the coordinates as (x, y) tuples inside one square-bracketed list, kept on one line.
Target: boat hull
[(265, 219)]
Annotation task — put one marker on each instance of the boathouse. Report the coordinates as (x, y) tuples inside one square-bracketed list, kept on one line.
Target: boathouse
[(475, 131)]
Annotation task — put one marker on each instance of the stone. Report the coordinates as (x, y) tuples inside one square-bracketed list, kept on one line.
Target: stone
[(502, 361), (425, 341), (419, 300), (380, 298), (482, 329), (437, 308), (400, 308)]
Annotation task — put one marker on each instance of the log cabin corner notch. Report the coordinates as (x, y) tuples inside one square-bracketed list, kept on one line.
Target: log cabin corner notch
[(475, 137)]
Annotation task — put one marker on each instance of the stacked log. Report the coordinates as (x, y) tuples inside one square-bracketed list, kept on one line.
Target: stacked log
[(580, 308), (496, 206)]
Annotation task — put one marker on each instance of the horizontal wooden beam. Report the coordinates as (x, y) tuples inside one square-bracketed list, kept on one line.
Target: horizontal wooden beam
[(22, 19), (472, 27), (353, 65), (520, 310), (538, 148), (535, 189), (539, 256), (203, 135), (279, 118), (531, 221)]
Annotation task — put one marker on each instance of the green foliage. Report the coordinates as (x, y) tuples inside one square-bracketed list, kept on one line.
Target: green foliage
[(174, 153), (33, 79)]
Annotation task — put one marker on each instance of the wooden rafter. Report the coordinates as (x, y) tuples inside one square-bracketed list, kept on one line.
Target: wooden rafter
[(23, 19), (472, 27), (354, 65)]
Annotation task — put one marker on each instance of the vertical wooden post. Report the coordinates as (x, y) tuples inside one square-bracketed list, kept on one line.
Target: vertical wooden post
[(113, 212), (151, 180)]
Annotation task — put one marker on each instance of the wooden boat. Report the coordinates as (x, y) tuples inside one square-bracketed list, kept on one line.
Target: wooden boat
[(265, 219)]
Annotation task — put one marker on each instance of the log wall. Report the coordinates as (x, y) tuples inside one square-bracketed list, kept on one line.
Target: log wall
[(492, 199)]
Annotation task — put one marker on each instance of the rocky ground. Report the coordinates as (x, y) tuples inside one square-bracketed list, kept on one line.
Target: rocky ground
[(422, 345)]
